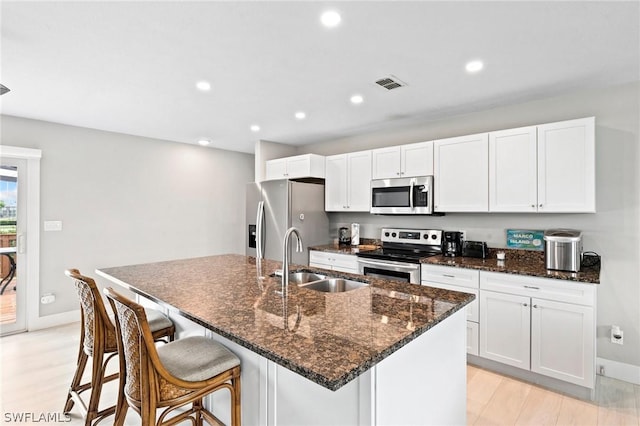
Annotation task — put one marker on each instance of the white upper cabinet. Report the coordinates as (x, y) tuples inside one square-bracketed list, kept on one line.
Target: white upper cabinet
[(299, 166), (566, 166), (548, 168), (409, 160), (347, 182), (461, 174), (513, 185)]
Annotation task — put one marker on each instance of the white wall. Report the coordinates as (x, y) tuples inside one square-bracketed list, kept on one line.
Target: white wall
[(265, 150), (613, 231), (125, 199)]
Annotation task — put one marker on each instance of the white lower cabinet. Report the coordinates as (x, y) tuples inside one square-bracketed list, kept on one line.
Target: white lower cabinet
[(504, 335), (543, 325), (333, 261), (457, 279)]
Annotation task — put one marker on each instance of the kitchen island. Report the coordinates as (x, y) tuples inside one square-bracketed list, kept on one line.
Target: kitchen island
[(386, 353)]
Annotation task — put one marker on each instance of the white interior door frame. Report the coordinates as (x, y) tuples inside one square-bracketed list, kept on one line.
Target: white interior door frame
[(32, 249)]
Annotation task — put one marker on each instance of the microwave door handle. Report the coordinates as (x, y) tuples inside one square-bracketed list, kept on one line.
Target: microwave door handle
[(411, 194), (259, 234)]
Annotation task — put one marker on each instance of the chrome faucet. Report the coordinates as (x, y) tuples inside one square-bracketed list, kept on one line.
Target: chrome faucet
[(285, 256)]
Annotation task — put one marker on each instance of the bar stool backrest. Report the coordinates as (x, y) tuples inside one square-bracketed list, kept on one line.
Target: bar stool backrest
[(96, 325), (136, 342)]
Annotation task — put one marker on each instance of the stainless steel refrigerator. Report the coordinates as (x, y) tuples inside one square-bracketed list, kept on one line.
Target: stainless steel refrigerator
[(275, 206)]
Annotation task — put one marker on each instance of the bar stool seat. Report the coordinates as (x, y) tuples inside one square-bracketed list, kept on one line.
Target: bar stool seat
[(196, 358), (170, 376), (98, 340)]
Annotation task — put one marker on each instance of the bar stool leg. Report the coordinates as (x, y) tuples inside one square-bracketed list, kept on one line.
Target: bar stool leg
[(77, 377)]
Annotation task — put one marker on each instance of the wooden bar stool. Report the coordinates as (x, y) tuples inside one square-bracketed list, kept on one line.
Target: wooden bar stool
[(98, 340), (172, 375)]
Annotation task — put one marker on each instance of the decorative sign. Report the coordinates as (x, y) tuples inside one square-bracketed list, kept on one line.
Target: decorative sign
[(525, 239)]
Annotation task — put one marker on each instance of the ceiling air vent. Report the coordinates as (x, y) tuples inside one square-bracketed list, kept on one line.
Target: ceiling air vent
[(390, 83)]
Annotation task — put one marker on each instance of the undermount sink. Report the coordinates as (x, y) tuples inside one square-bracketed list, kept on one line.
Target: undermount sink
[(333, 285), (319, 282), (305, 277)]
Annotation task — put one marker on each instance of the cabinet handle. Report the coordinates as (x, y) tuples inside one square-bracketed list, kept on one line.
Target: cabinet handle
[(535, 306), (531, 287), (539, 205), (397, 173), (525, 305), (448, 276), (533, 206)]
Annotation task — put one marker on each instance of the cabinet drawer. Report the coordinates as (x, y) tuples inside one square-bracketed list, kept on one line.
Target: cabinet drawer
[(344, 261), (450, 275), (543, 288), (339, 262), (319, 257), (472, 308)]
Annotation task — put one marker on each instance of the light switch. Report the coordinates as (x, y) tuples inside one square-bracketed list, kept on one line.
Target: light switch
[(53, 225)]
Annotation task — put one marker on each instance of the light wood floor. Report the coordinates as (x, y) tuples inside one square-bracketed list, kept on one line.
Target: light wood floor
[(8, 305), (36, 367)]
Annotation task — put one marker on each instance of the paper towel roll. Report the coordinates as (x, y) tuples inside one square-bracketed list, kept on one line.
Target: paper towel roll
[(355, 234)]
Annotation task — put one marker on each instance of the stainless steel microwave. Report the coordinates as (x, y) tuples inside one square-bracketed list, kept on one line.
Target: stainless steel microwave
[(402, 195)]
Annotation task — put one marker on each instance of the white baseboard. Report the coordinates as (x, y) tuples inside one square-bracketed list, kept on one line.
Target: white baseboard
[(54, 320), (619, 370)]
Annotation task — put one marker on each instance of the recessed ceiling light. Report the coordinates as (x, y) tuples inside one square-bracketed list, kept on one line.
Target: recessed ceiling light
[(204, 86), (474, 66), (300, 115), (357, 99), (204, 142), (255, 128), (330, 18)]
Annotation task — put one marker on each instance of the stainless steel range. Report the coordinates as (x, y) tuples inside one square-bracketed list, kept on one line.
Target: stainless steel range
[(399, 257)]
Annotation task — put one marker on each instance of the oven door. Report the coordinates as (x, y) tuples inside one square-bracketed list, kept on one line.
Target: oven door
[(390, 270), (402, 196)]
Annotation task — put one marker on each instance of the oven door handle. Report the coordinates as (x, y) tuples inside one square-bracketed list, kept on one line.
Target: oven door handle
[(408, 267)]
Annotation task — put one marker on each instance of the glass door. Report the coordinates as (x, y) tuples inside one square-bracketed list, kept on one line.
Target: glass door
[(12, 262)]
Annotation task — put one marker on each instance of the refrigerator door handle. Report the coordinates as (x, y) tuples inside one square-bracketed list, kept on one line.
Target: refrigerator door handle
[(259, 231)]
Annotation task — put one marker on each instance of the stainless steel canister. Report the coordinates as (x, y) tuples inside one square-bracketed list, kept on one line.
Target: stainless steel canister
[(563, 249)]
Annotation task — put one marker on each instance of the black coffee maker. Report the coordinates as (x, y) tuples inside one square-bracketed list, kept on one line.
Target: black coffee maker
[(452, 243)]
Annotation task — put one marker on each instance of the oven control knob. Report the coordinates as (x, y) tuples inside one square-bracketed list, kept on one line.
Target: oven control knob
[(386, 234), (434, 237), (426, 236), (393, 235)]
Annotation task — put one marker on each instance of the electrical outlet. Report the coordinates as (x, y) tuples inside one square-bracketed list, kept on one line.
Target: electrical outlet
[(617, 335), (601, 370), (45, 299)]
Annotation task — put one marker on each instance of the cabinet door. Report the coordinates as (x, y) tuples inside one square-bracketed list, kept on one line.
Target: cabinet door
[(461, 174), (386, 163), (298, 166), (416, 159), (504, 332), (276, 169), (513, 184), (563, 341), (566, 166), (335, 185), (359, 181), (472, 338)]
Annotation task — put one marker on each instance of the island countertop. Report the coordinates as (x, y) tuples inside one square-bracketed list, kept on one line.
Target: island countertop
[(329, 338)]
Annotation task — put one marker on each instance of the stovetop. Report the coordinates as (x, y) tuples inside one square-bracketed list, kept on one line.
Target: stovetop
[(407, 245)]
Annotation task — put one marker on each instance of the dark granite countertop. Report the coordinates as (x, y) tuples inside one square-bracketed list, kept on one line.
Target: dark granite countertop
[(345, 249), (329, 338), (520, 262)]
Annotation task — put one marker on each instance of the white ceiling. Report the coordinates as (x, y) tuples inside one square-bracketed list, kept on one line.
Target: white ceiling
[(131, 67)]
